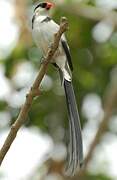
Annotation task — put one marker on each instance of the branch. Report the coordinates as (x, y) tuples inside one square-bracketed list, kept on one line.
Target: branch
[(109, 106), (34, 91), (104, 124), (20, 17), (90, 12)]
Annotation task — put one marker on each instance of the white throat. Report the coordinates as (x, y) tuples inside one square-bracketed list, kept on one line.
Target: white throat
[(41, 12)]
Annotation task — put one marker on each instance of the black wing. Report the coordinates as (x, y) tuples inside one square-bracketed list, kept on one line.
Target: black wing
[(47, 19), (67, 52)]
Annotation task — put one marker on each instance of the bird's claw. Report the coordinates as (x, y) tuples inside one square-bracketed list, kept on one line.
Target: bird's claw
[(42, 61), (49, 46)]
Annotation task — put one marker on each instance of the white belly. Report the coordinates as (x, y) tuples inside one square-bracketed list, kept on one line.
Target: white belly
[(43, 34), (41, 39)]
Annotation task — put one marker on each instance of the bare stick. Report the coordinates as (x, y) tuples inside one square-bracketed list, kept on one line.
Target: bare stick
[(90, 12), (34, 91), (109, 106), (110, 103)]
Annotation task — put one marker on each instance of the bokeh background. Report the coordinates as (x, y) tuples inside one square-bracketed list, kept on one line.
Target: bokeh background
[(38, 152)]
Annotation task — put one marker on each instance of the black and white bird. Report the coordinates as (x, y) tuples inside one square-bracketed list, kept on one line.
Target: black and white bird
[(43, 30)]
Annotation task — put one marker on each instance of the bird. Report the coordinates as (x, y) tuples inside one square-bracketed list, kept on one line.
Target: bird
[(43, 30)]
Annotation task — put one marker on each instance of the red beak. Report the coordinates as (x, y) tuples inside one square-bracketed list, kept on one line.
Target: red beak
[(49, 5)]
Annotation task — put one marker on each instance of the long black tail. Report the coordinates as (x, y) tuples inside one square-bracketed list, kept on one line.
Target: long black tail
[(75, 148)]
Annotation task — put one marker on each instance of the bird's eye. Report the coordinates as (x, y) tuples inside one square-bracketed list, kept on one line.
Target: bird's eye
[(43, 5)]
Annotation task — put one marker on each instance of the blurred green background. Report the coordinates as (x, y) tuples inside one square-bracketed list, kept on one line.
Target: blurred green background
[(92, 38)]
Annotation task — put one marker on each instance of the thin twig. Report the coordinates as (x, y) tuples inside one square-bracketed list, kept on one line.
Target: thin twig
[(108, 110), (34, 91), (90, 12), (109, 107)]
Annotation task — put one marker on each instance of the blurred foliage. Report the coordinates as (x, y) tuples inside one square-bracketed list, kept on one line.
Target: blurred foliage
[(96, 177), (93, 63)]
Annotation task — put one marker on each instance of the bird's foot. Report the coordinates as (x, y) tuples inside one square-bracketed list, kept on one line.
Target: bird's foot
[(49, 46), (42, 61)]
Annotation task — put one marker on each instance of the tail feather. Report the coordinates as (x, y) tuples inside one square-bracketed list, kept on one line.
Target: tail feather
[(75, 151)]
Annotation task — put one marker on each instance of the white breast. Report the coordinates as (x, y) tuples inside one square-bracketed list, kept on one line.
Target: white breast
[(43, 32)]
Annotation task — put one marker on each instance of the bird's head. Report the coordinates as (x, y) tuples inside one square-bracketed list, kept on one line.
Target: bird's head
[(43, 8)]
